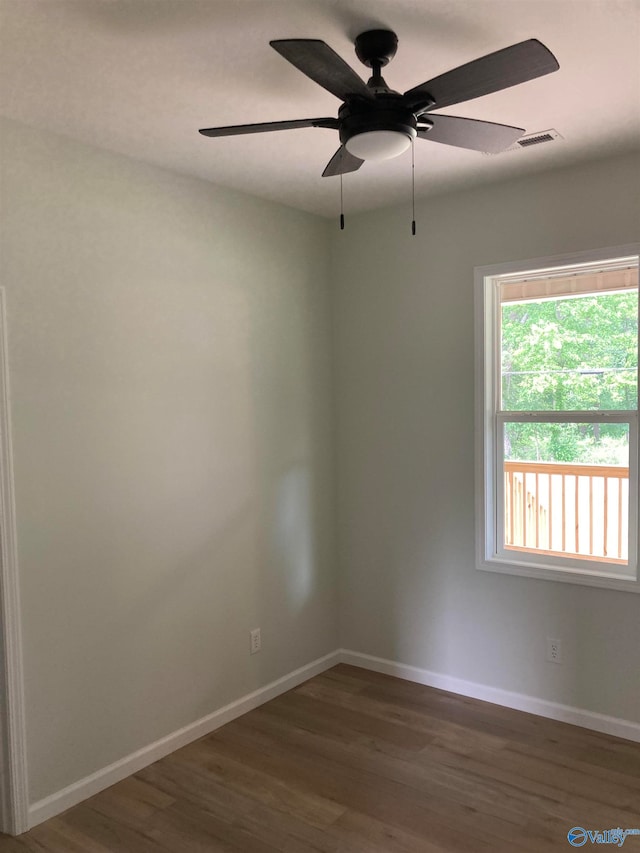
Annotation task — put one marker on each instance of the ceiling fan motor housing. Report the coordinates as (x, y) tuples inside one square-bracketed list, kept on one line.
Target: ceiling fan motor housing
[(376, 47), (385, 113)]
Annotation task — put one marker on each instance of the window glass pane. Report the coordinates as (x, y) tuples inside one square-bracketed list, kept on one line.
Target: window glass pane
[(566, 489), (569, 353)]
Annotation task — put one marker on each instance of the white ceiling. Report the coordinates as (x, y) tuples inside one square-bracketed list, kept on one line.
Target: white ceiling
[(140, 77)]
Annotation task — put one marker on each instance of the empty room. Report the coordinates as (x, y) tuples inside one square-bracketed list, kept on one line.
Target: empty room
[(319, 426)]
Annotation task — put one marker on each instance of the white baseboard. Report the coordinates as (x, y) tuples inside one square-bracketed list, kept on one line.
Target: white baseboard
[(519, 701), (107, 776)]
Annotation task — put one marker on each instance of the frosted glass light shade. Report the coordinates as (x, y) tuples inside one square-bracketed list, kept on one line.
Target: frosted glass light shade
[(378, 144)]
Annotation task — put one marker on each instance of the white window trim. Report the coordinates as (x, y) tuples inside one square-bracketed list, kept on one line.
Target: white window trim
[(490, 557)]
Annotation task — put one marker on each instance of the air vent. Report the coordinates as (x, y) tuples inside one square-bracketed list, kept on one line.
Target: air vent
[(539, 138), (534, 140)]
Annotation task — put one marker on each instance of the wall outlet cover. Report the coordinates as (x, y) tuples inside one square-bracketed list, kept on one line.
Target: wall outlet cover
[(554, 650), (255, 641)]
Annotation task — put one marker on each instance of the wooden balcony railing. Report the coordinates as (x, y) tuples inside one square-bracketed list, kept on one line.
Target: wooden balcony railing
[(567, 509)]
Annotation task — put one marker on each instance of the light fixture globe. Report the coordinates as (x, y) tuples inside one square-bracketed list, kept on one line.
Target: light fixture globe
[(378, 130), (378, 144)]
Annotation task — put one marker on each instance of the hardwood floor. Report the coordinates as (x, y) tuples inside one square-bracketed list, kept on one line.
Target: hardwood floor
[(357, 762)]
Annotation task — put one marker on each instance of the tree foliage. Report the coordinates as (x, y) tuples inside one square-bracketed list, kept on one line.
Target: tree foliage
[(570, 354)]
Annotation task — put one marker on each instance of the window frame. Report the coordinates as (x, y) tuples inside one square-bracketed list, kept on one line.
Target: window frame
[(491, 555)]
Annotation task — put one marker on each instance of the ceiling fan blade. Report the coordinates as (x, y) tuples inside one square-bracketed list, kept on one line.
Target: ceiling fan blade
[(237, 129), (469, 133), (323, 65), (492, 73), (341, 163)]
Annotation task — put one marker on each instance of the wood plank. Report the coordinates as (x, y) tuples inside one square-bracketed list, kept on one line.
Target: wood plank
[(619, 518), (564, 513), (577, 513), (132, 802), (550, 513), (591, 515), (537, 509), (511, 506), (238, 775), (185, 827), (92, 828), (524, 509), (606, 514), (573, 469)]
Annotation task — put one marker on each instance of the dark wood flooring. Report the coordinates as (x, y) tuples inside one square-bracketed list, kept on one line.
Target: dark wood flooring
[(357, 762)]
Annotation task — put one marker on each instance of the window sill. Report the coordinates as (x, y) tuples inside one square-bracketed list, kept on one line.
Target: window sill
[(603, 577)]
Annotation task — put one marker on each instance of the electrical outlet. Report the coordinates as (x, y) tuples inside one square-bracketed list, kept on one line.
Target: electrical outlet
[(255, 641), (554, 650)]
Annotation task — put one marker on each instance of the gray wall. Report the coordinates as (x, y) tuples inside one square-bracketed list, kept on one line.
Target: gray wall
[(170, 350), (170, 369), (404, 357)]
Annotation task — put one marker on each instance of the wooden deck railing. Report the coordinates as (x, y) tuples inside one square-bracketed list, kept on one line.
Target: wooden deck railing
[(567, 509)]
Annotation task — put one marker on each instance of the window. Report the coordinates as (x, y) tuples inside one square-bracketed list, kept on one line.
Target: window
[(557, 418)]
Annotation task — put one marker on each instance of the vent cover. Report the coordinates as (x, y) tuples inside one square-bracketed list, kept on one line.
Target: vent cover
[(531, 139), (534, 140)]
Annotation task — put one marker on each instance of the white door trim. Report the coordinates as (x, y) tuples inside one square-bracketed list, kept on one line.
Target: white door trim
[(14, 792)]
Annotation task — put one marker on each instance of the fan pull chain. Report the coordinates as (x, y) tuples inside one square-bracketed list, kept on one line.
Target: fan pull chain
[(341, 206), (413, 190)]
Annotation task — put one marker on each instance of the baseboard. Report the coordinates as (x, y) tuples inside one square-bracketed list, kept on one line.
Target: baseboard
[(519, 701), (107, 776)]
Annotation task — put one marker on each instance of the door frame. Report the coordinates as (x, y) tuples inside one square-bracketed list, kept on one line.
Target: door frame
[(14, 791)]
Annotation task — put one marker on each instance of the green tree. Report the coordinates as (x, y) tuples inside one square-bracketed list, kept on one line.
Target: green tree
[(570, 354)]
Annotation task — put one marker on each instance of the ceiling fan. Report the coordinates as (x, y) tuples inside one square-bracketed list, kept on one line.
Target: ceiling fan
[(377, 123)]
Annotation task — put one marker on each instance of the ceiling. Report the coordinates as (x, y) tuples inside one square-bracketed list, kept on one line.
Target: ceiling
[(139, 77)]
